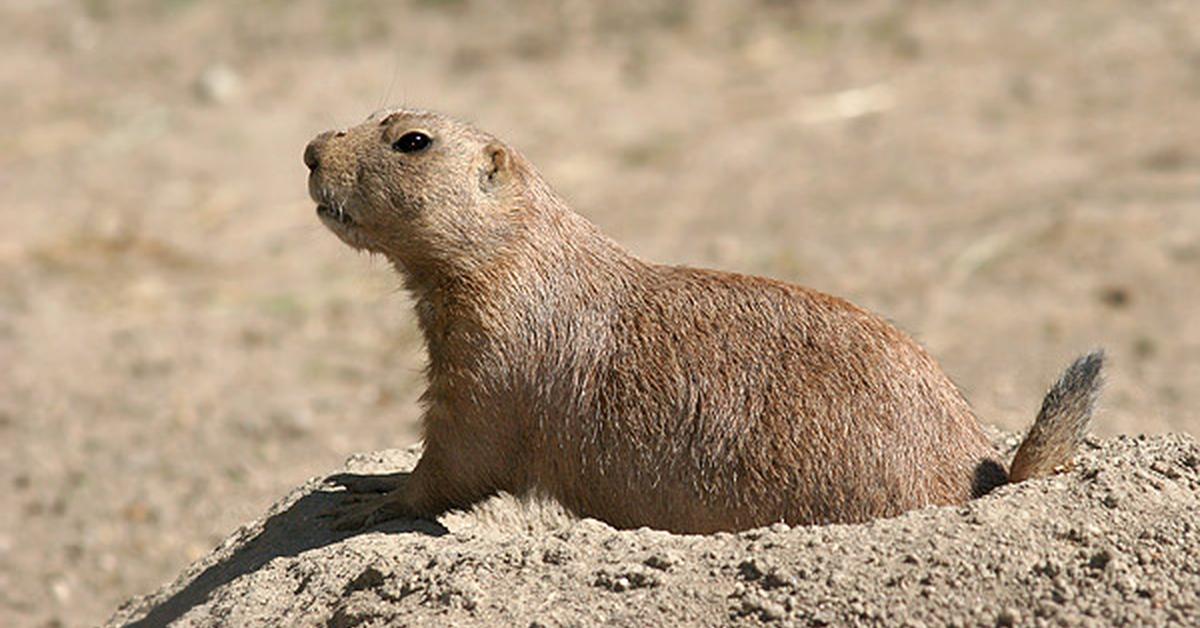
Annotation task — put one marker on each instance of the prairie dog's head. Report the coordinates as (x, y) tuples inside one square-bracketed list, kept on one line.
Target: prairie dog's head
[(415, 186)]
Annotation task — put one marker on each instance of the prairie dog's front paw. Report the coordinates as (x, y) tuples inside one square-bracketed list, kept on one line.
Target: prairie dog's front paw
[(364, 511)]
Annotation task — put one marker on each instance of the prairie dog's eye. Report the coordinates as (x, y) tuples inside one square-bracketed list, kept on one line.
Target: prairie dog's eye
[(412, 142)]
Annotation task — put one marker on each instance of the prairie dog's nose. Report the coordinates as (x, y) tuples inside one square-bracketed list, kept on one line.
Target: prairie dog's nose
[(311, 157), (312, 152)]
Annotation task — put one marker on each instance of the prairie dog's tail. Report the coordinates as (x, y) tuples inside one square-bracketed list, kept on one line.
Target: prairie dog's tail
[(1062, 422)]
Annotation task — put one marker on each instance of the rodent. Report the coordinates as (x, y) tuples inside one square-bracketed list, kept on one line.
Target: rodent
[(636, 393)]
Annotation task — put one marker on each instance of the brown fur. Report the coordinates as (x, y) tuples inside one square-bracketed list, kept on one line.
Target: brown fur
[(640, 394)]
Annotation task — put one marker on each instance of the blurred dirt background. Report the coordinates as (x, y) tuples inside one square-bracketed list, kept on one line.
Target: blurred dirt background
[(181, 342)]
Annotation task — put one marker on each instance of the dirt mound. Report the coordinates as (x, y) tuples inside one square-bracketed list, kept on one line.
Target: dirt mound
[(1116, 539)]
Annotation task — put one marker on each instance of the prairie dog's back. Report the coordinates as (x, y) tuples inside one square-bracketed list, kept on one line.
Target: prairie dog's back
[(743, 400)]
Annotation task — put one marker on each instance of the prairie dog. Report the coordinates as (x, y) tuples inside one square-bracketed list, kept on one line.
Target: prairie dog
[(642, 394)]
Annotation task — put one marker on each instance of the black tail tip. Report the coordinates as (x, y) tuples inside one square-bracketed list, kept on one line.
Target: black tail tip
[(1087, 367), (1082, 378)]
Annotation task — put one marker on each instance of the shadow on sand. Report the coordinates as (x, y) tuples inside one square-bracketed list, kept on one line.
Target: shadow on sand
[(299, 527)]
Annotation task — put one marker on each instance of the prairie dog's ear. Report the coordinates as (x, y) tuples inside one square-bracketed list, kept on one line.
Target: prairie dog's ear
[(497, 166)]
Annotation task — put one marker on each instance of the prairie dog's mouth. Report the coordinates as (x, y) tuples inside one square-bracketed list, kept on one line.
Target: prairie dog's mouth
[(335, 214), (331, 207)]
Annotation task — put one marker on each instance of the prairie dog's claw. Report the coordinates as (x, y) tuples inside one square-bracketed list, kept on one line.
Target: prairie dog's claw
[(358, 483), (364, 511)]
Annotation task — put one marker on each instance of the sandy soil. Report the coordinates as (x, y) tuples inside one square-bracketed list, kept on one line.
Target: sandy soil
[(1114, 542), (181, 342)]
